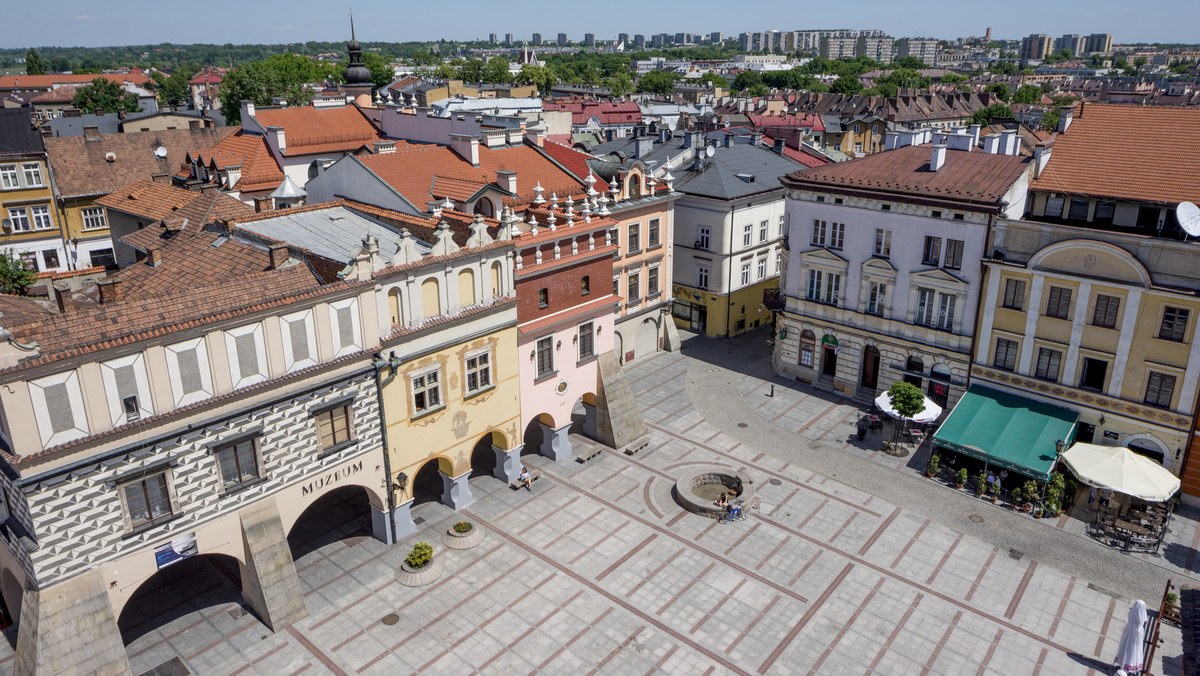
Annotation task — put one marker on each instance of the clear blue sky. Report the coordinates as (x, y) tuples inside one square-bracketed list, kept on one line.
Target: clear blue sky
[(91, 23)]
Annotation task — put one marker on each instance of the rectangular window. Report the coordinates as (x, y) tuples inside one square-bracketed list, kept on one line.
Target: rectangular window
[(814, 285), (1059, 303), (479, 372), (427, 391), (333, 426), (1105, 313), (807, 351), (543, 298), (635, 241), (587, 340), (936, 213), (614, 238), (1079, 210), (1054, 207), (147, 502), (702, 277), (102, 258), (1014, 294), (762, 267), (925, 307), (833, 287), (20, 219), (745, 273), (652, 283), (945, 318), (1104, 212), (652, 233), (703, 239), (747, 235), (239, 463), (635, 288), (876, 298), (585, 285), (1048, 364), (1174, 324), (616, 286), (954, 254), (8, 176), (883, 242), (1094, 373), (1006, 354), (93, 219), (818, 233), (41, 217), (1159, 389), (33, 174), (933, 251), (545, 356), (762, 231), (837, 233)]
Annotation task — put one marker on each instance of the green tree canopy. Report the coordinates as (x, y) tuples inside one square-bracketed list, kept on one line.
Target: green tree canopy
[(906, 398), (911, 62), (60, 64), (746, 79), (1027, 94), (539, 76), (15, 277), (953, 78), (714, 79), (984, 116), (999, 90), (657, 82), (104, 95), (173, 91), (496, 71), (33, 63), (846, 84), (281, 75)]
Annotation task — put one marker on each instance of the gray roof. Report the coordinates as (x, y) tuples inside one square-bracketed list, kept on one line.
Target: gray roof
[(288, 189), (335, 233), (17, 134), (73, 126)]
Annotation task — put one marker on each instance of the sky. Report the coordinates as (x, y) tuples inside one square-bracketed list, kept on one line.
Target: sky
[(89, 23)]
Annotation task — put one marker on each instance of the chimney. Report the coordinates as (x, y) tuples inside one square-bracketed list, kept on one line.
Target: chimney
[(153, 257), (121, 114), (642, 146), (728, 140), (62, 296), (974, 130), (466, 146), (1041, 157), (277, 137), (778, 146), (507, 180), (1065, 115), (247, 110), (110, 290), (959, 141), (891, 140), (279, 255), (1011, 142), (755, 138), (193, 124), (991, 144), (91, 133), (938, 157), (262, 204)]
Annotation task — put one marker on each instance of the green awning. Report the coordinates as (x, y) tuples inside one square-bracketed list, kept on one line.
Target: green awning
[(1007, 430)]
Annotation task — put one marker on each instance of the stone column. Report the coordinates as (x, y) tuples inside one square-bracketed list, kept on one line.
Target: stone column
[(402, 518), (380, 528), (508, 463), (589, 421), (269, 582), (456, 494), (556, 444), (70, 628)]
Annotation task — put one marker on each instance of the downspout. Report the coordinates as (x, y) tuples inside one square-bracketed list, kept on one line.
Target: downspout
[(391, 364), (729, 276)]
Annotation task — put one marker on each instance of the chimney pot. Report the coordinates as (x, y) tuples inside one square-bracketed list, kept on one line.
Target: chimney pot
[(938, 157), (110, 290)]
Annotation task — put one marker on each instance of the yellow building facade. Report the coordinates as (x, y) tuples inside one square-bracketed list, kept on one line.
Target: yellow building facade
[(32, 229)]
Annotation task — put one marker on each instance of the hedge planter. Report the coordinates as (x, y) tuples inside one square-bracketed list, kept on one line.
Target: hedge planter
[(458, 537), (420, 568)]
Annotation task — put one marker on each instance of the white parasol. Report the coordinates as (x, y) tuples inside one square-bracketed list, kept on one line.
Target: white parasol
[(1131, 652), (927, 415), (1122, 470)]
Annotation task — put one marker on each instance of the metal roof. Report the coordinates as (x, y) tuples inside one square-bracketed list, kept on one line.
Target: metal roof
[(335, 233)]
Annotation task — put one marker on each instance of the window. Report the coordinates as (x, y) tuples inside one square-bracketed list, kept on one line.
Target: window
[(8, 176), (587, 340), (33, 174), (857, 128), (93, 219), (838, 200), (808, 341), (545, 356), (616, 286), (1054, 206), (635, 288), (20, 219), (885, 207), (960, 217), (50, 258), (635, 242), (479, 372), (762, 231), (1059, 303), (41, 217), (883, 242), (745, 273), (1094, 372), (1048, 364), (747, 234), (824, 287), (1105, 313), (837, 233), (703, 239), (945, 318), (1014, 294), (102, 258), (702, 277), (933, 250), (954, 254), (1148, 217), (762, 267), (1159, 389), (876, 298), (652, 283), (585, 285), (818, 233), (147, 502), (1104, 212), (652, 233), (936, 213), (925, 307), (614, 238), (1174, 324), (1006, 354), (543, 298), (778, 262), (1079, 210), (239, 463), (427, 391)]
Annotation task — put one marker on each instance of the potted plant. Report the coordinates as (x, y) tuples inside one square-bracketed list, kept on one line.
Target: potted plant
[(982, 486), (1015, 498), (420, 556), (995, 492), (1030, 492), (463, 535), (961, 479), (420, 567), (932, 469)]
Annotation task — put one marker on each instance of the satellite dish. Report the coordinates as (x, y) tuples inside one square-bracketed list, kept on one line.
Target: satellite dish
[(710, 151), (1188, 215), (160, 152)]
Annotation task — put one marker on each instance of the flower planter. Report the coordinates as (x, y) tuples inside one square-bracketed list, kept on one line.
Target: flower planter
[(419, 577), (995, 499), (472, 538)]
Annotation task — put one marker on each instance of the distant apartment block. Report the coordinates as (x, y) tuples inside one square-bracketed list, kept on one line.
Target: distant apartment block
[(880, 48), (1036, 47), (562, 39), (508, 38), (839, 48), (623, 37), (589, 39), (639, 40), (1073, 43), (716, 37), (1099, 42), (492, 38), (924, 49)]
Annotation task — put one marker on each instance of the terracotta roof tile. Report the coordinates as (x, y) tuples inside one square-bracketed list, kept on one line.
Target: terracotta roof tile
[(260, 171), (1127, 152), (575, 161), (147, 199), (48, 81), (16, 310), (309, 130)]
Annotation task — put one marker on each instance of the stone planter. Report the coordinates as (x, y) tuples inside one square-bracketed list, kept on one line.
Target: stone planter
[(467, 540), (419, 577)]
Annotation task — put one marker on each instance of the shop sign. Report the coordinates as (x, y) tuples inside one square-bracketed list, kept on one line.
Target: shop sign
[(1109, 434), (331, 478), (829, 340), (176, 550)]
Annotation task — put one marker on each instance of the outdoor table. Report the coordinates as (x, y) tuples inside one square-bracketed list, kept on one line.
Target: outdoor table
[(1131, 527), (916, 434)]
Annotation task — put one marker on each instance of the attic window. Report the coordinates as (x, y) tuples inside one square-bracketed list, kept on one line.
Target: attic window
[(885, 207), (838, 200), (131, 408)]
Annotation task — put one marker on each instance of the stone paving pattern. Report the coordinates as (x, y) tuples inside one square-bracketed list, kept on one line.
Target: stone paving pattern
[(598, 570)]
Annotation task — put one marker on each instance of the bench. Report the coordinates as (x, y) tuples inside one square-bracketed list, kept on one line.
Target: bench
[(591, 453), (637, 445), (534, 475)]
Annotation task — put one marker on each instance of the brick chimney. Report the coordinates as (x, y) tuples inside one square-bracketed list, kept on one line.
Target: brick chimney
[(110, 290), (91, 133), (154, 258), (161, 177), (193, 124), (279, 255), (62, 297), (262, 204)]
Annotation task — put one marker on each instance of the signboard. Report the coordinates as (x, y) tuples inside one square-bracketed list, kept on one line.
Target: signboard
[(830, 340), (176, 550), (1109, 434)]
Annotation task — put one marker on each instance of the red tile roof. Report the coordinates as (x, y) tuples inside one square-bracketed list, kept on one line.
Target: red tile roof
[(309, 130), (16, 310), (1127, 152), (48, 81), (575, 161), (260, 171), (970, 177), (607, 112), (805, 157), (812, 121), (173, 206), (64, 94)]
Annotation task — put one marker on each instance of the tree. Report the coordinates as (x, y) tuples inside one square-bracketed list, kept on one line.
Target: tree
[(657, 82), (381, 70), (846, 84), (33, 63), (758, 90), (281, 75), (984, 116), (104, 95), (716, 80), (540, 76), (746, 79), (999, 90), (15, 276), (1027, 94), (173, 91), (60, 64), (909, 62), (496, 71), (953, 78), (907, 399)]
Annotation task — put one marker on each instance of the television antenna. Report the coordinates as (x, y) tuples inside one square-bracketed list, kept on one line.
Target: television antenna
[(1188, 215)]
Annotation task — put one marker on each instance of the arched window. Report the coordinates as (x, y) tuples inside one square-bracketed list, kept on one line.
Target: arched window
[(635, 185), (915, 365), (496, 278), (431, 299), (484, 208), (466, 288), (808, 348), (396, 306), (940, 372)]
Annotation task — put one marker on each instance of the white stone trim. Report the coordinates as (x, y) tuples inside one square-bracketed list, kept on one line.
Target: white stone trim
[(42, 412), (355, 344), (180, 397), (304, 317), (260, 354), (116, 409)]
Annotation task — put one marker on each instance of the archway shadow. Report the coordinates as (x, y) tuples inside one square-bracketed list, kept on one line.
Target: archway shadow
[(340, 514), (427, 484), (183, 588)]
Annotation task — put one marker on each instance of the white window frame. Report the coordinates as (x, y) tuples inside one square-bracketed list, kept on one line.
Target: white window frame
[(763, 229), (704, 238), (539, 372), (876, 298), (745, 273), (762, 267), (947, 306), (19, 217), (481, 372), (10, 177), (180, 397), (748, 234), (837, 235), (587, 328), (431, 391), (883, 243), (702, 276), (39, 217), (32, 173), (260, 353), (653, 274), (116, 406), (94, 218), (926, 307), (818, 232)]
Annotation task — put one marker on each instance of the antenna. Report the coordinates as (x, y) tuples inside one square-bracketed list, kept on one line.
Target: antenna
[(1188, 215)]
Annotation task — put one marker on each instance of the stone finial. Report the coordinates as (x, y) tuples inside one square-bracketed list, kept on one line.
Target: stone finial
[(538, 190), (444, 244), (406, 249), (448, 205), (590, 181), (479, 234), (533, 224)]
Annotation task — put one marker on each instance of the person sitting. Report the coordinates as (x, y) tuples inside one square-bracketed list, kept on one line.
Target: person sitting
[(526, 480), (723, 501)]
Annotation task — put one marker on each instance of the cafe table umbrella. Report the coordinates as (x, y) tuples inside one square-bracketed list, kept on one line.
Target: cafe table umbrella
[(1121, 470)]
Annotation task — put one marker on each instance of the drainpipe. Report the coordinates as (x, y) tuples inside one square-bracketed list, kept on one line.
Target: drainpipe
[(729, 276), (391, 364)]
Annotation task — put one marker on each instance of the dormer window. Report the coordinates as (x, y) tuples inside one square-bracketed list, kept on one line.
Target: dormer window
[(130, 405)]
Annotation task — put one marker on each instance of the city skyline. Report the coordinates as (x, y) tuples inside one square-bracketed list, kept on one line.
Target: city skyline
[(83, 25)]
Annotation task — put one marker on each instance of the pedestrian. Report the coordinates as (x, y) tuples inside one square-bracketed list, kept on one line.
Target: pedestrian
[(1091, 499), (1003, 474), (526, 480), (1106, 497)]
